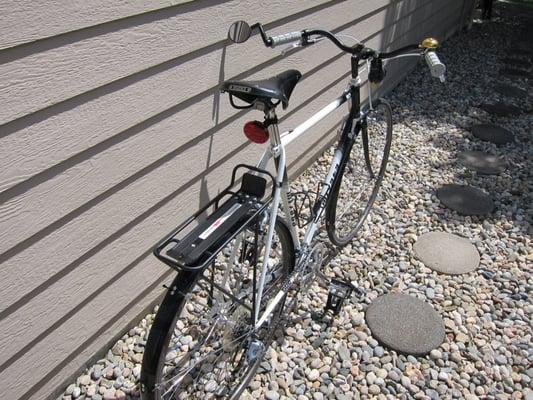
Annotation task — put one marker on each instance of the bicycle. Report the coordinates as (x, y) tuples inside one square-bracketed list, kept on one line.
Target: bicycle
[(242, 267)]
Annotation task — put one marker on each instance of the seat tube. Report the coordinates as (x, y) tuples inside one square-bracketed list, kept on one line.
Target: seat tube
[(282, 177), (278, 152), (276, 147)]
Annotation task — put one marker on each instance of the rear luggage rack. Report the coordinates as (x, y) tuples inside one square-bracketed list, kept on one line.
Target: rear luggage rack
[(233, 211)]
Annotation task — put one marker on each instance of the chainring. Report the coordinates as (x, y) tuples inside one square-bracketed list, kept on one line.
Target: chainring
[(311, 265)]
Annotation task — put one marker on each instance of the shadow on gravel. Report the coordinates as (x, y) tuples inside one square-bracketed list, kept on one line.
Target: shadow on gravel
[(470, 84)]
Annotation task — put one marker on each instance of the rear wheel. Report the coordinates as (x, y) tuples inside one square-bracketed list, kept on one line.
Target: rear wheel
[(357, 183), (201, 344)]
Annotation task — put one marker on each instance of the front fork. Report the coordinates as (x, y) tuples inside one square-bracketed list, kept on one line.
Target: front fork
[(366, 149)]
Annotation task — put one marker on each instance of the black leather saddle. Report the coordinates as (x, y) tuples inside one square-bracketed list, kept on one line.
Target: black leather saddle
[(278, 87)]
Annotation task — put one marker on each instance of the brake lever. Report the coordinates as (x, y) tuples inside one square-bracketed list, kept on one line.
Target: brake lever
[(315, 40), (290, 48), (294, 46)]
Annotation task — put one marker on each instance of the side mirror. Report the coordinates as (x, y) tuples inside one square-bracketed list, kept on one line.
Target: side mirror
[(239, 32)]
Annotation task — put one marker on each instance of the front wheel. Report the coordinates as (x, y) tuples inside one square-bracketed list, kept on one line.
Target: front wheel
[(202, 344), (359, 178)]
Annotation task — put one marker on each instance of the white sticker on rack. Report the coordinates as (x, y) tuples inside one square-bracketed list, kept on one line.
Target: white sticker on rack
[(219, 221)]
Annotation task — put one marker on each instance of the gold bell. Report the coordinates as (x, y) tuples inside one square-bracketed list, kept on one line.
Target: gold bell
[(430, 43)]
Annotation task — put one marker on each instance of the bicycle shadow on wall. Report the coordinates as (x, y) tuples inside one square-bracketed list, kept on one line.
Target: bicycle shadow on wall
[(406, 22), (204, 196), (395, 17), (215, 115)]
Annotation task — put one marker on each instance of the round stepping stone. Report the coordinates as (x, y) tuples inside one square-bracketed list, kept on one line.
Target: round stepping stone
[(521, 73), (500, 109), (492, 133), (405, 324), (510, 91), (480, 162), (466, 200), (446, 253)]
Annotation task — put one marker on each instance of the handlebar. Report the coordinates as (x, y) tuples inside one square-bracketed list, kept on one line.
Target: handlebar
[(360, 51), (437, 68), (286, 38), (358, 48)]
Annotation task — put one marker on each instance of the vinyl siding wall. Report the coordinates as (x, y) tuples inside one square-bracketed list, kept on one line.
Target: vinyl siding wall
[(112, 131)]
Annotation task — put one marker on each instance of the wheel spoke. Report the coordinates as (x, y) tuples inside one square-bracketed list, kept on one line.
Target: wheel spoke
[(357, 197), (200, 361), (207, 352), (361, 178)]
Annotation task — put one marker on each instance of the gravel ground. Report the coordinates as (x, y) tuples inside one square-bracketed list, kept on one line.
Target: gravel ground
[(487, 352)]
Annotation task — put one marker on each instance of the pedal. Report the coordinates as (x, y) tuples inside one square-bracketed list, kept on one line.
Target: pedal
[(338, 292)]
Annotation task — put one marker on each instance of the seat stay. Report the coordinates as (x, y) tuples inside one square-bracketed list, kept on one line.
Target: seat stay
[(284, 140), (276, 150), (271, 226)]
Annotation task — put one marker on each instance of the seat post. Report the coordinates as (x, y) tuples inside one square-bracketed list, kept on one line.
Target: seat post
[(276, 149), (273, 130)]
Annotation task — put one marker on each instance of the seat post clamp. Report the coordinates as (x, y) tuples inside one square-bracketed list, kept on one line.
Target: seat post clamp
[(275, 150), (270, 121), (355, 82)]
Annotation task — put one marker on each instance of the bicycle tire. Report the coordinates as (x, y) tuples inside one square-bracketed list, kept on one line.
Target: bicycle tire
[(378, 125), (179, 297)]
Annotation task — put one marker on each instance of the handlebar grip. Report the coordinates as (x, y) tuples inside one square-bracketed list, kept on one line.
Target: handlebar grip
[(437, 68), (286, 38)]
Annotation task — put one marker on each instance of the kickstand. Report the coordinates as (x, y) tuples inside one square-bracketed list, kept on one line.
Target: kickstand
[(338, 291)]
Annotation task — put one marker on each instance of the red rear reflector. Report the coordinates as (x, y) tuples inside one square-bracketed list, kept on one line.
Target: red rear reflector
[(256, 131)]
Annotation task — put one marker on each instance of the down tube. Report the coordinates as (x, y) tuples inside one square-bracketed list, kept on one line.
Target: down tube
[(285, 189), (322, 198)]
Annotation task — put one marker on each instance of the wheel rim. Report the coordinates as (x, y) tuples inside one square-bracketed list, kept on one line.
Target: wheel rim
[(362, 176)]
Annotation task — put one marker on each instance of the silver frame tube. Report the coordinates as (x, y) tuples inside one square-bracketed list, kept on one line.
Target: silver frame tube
[(277, 149), (271, 226), (290, 136)]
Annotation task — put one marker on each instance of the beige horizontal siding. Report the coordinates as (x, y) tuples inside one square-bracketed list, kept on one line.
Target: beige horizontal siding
[(58, 298), (51, 76), (35, 270), (43, 199), (112, 137), (27, 21), (114, 109)]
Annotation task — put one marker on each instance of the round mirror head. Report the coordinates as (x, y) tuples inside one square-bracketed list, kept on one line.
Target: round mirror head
[(239, 32)]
